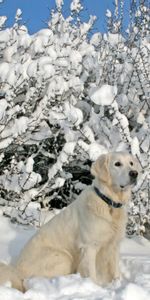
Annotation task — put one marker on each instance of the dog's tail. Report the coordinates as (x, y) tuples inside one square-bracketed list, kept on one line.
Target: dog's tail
[(10, 273)]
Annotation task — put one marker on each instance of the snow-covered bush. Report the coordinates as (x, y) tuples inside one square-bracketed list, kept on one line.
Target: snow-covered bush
[(68, 96)]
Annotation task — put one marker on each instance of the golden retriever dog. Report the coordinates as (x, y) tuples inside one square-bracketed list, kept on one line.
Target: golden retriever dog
[(85, 236)]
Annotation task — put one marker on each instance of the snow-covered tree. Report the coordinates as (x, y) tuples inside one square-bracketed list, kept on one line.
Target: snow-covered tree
[(68, 96)]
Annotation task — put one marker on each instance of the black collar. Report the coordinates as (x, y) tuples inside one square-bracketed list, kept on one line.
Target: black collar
[(109, 201)]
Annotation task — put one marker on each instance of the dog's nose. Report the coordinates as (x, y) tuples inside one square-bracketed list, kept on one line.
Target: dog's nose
[(133, 174)]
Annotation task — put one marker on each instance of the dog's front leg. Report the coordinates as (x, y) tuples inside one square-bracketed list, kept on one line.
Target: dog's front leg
[(107, 262), (114, 268), (87, 263)]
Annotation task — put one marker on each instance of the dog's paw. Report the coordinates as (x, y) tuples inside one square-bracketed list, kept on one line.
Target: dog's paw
[(115, 284)]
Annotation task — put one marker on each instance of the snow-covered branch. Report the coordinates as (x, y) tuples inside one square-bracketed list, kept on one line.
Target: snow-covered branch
[(65, 99)]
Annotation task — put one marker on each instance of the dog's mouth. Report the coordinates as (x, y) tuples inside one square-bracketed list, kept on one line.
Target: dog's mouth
[(123, 187), (131, 183)]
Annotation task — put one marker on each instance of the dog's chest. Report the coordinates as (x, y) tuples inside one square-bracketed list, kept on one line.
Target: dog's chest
[(112, 228), (107, 221), (98, 224), (118, 222)]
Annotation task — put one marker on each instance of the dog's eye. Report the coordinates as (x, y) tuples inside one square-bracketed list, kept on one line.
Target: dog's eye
[(118, 164), (131, 163)]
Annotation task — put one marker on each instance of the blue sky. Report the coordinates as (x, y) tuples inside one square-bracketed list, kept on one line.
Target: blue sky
[(36, 12)]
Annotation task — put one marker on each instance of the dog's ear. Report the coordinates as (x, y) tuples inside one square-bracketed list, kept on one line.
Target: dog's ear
[(99, 168)]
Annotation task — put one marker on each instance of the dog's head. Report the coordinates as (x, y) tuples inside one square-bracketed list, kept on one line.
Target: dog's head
[(117, 169)]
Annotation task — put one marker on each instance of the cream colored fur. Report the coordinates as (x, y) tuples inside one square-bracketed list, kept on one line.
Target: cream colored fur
[(84, 237)]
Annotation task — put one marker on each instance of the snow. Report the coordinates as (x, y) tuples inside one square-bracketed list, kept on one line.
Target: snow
[(65, 81), (96, 39), (24, 181), (87, 131), (133, 291), (135, 148), (4, 35), (73, 114), (108, 13), (75, 57), (114, 38), (5, 143), (2, 20), (69, 147), (135, 266), (146, 144), (95, 150), (19, 126), (103, 95), (3, 105), (76, 6), (59, 3), (18, 14), (4, 69), (58, 183), (29, 165)]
